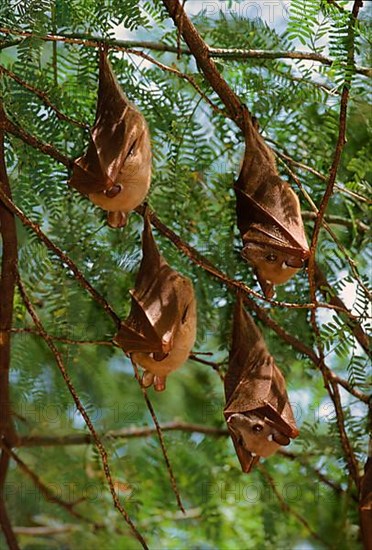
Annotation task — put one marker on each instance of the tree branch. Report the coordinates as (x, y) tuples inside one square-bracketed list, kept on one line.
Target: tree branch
[(97, 297), (197, 258), (201, 52), (44, 98), (47, 493), (233, 54), (35, 142), (7, 287), (337, 220), (66, 261), (6, 526), (126, 433), (340, 141)]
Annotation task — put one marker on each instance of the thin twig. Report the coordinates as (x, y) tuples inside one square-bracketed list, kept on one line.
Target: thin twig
[(64, 258), (36, 143), (101, 449), (215, 366), (47, 531), (6, 526), (97, 297), (288, 509), (47, 493), (330, 384), (341, 140), (322, 283), (180, 74), (303, 460), (193, 356), (44, 98), (161, 439), (65, 340), (337, 220), (352, 462)]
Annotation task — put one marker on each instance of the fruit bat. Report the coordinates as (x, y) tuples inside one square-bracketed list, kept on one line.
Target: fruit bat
[(269, 215), (161, 328), (258, 413), (115, 172)]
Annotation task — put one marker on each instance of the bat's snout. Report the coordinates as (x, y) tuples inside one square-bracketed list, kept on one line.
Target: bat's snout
[(113, 191), (296, 263)]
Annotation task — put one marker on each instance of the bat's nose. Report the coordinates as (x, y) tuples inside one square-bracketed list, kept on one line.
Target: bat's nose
[(297, 263), (113, 191)]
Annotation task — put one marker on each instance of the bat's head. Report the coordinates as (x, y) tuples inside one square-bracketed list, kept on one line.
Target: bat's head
[(133, 179), (272, 266), (257, 436)]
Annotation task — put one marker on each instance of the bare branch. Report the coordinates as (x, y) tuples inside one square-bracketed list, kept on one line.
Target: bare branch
[(47, 531)]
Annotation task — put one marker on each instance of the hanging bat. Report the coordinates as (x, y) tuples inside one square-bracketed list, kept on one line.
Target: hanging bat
[(269, 215), (258, 413), (161, 328), (115, 172)]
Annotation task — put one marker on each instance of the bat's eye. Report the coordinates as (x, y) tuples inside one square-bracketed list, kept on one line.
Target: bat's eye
[(271, 257), (257, 428)]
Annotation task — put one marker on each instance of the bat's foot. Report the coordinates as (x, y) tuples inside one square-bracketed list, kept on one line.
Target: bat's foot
[(160, 383), (117, 219), (147, 379)]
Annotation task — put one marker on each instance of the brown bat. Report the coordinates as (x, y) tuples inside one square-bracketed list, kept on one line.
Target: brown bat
[(269, 215), (161, 328), (258, 413), (115, 172)]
